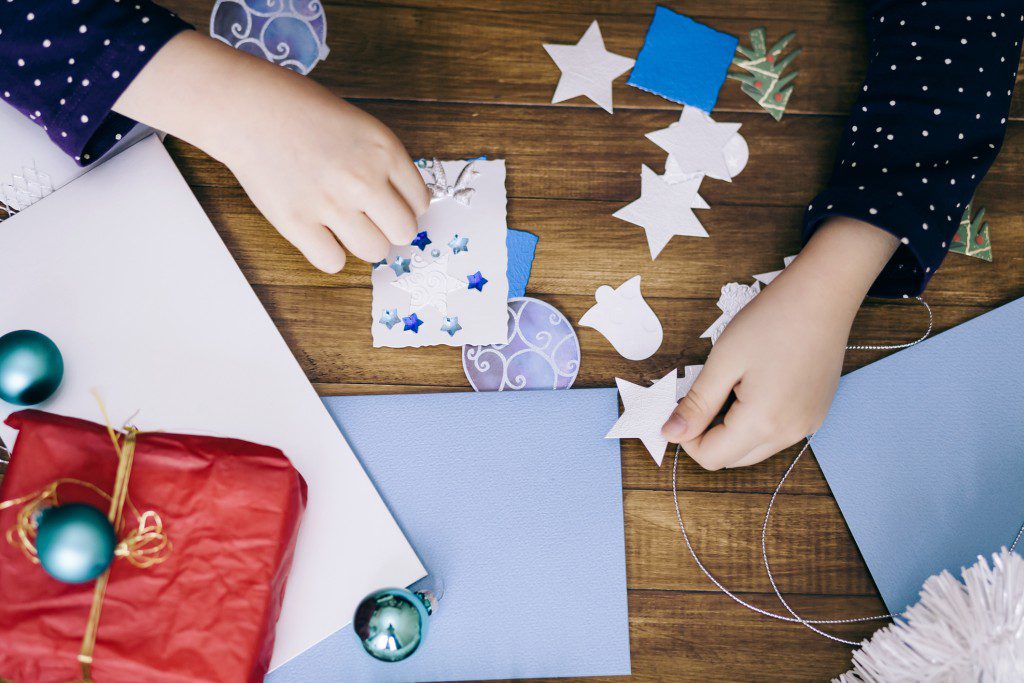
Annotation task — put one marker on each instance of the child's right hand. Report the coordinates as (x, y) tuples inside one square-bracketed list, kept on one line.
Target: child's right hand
[(781, 356), (323, 172)]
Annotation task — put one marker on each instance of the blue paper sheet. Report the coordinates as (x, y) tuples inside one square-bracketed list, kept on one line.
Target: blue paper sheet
[(516, 509), (683, 60), (924, 451), (522, 246)]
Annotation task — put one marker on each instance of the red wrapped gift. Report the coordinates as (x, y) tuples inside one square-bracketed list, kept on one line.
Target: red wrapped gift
[(204, 611)]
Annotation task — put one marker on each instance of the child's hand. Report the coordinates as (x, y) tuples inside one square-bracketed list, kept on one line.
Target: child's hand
[(323, 172), (781, 356)]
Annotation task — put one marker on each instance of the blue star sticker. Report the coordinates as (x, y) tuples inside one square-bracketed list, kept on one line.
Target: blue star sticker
[(401, 265), (378, 264), (412, 323), (451, 325), (459, 244), (421, 241), (389, 318), (476, 281)]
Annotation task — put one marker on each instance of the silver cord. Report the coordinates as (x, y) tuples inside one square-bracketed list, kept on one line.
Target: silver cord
[(796, 618)]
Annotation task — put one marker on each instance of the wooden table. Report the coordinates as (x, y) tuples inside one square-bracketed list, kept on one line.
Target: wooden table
[(466, 77)]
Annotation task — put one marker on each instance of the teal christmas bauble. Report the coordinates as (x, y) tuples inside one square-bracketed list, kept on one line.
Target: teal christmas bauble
[(75, 542), (392, 623), (31, 367)]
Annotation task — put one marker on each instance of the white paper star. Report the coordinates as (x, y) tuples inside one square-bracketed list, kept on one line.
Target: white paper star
[(644, 411), (665, 209), (698, 144), (429, 284), (732, 300), (767, 278), (587, 69)]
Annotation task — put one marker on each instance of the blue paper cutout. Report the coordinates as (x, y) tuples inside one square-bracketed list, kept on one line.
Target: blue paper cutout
[(922, 451), (683, 60), (517, 514), (522, 246)]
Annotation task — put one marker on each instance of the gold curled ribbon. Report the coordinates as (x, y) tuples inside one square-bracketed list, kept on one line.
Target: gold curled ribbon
[(144, 545)]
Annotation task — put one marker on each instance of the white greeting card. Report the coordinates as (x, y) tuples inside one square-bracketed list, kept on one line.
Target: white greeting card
[(123, 270), (450, 286)]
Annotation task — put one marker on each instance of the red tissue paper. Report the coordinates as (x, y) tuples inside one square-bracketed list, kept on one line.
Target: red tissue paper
[(230, 511)]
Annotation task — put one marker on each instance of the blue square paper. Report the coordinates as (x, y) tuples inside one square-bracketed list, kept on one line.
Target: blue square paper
[(522, 246), (924, 451), (683, 60), (515, 509)]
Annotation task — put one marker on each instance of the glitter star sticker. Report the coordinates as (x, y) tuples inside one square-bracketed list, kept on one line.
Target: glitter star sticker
[(389, 318), (476, 281), (644, 411), (665, 209), (400, 266), (459, 244), (451, 325), (698, 143), (587, 69), (421, 241), (412, 323), (428, 284)]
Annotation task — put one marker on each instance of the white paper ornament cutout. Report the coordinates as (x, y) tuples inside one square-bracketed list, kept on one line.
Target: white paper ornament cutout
[(644, 412), (625, 320), (685, 383), (767, 278), (665, 210), (736, 156), (587, 69), (732, 300), (698, 144)]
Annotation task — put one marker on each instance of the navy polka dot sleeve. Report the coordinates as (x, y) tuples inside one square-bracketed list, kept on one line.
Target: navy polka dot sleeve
[(927, 125), (64, 63)]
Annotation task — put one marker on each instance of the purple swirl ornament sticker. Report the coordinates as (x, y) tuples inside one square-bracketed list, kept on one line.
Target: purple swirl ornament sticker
[(290, 33), (542, 351)]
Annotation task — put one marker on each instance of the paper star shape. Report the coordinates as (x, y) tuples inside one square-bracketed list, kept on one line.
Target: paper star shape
[(428, 284), (400, 266), (587, 69), (412, 323), (732, 300), (451, 325), (767, 278), (459, 244), (476, 281), (644, 411), (697, 143), (665, 209), (389, 318), (421, 241)]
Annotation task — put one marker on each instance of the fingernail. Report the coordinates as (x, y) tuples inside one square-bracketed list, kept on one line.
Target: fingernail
[(674, 426)]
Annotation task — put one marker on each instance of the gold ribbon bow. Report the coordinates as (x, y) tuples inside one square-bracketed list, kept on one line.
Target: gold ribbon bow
[(144, 545)]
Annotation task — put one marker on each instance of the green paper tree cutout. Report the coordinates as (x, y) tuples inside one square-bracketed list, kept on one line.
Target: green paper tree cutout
[(765, 83), (972, 237)]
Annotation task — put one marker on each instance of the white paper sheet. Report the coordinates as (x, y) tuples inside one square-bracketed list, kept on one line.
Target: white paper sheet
[(450, 287), (123, 270)]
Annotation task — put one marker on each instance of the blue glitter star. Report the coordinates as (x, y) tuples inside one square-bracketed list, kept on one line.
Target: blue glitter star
[(476, 281), (421, 241), (378, 264), (459, 244), (451, 325), (389, 318), (401, 265), (412, 323)]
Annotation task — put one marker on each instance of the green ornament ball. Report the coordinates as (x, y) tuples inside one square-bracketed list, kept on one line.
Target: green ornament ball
[(75, 542), (391, 623), (31, 368)]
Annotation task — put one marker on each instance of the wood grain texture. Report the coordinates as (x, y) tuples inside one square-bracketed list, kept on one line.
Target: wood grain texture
[(456, 78)]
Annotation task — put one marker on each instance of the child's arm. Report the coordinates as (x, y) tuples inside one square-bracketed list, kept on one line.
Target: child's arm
[(321, 170), (927, 125)]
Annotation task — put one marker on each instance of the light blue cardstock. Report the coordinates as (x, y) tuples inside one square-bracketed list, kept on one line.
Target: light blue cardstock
[(924, 451), (513, 500), (522, 246)]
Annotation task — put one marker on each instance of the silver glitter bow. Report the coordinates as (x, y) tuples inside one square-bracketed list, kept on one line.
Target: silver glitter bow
[(460, 191)]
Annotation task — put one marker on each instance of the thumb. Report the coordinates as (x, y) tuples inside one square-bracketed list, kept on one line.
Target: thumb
[(700, 405)]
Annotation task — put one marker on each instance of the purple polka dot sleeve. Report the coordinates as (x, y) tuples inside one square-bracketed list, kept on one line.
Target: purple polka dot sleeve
[(64, 63), (927, 125)]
